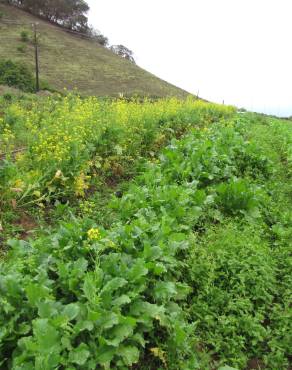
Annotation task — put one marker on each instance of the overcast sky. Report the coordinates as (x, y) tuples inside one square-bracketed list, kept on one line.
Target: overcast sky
[(239, 51)]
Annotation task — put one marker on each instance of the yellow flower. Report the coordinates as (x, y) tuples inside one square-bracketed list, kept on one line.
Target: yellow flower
[(81, 185), (18, 183), (159, 353), (93, 234)]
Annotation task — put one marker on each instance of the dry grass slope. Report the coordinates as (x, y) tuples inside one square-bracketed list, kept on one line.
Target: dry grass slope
[(69, 61)]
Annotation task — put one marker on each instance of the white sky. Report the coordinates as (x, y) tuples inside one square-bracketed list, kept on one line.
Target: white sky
[(239, 51)]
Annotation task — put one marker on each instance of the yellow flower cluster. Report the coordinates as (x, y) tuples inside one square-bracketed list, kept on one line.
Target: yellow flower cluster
[(93, 234), (6, 138), (87, 207), (70, 137), (81, 184)]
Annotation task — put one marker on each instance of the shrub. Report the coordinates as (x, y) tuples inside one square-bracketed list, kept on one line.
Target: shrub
[(234, 280), (236, 197), (24, 36), (16, 74), (8, 96), (21, 48)]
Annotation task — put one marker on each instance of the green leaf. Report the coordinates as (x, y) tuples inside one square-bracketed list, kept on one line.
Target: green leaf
[(89, 288), (164, 290), (113, 285), (46, 335), (119, 334), (93, 315), (129, 354), (79, 355), (107, 320), (122, 300), (36, 292), (47, 309), (83, 325), (71, 311), (144, 310), (105, 354), (138, 270)]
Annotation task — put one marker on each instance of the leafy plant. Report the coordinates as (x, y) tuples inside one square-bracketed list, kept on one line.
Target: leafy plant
[(24, 36), (237, 196), (16, 74), (21, 48), (187, 267)]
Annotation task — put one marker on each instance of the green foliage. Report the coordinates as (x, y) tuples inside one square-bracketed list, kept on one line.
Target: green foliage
[(69, 14), (194, 270), (104, 74), (24, 36), (16, 75), (21, 48), (8, 96), (98, 36), (234, 278), (123, 52), (237, 196), (73, 144)]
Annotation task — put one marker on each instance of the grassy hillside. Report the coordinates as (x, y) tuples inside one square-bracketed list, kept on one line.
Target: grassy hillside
[(66, 60)]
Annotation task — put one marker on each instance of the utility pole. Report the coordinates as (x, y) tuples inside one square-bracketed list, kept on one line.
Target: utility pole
[(36, 53)]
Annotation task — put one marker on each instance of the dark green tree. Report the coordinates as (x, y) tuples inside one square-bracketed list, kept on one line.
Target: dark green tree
[(98, 36)]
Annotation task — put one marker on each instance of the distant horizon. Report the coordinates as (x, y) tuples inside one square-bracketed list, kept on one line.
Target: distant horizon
[(234, 51)]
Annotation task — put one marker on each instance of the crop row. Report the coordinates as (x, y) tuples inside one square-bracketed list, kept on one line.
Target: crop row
[(194, 272)]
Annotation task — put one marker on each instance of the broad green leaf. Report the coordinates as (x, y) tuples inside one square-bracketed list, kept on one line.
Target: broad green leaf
[(83, 325), (138, 270), (79, 355), (143, 310), (164, 290), (113, 285), (46, 335), (89, 288), (119, 333), (122, 300), (129, 354), (47, 309), (71, 311), (36, 292), (107, 320), (105, 355)]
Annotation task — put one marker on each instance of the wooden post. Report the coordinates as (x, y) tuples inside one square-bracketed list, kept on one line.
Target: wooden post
[(36, 53)]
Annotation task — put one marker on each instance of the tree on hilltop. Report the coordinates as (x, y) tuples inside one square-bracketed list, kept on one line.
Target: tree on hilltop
[(98, 36), (123, 52)]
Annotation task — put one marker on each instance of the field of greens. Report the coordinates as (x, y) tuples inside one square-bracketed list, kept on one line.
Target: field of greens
[(160, 236)]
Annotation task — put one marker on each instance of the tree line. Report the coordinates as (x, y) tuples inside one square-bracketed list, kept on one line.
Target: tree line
[(70, 14)]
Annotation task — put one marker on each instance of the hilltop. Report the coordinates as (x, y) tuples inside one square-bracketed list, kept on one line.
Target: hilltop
[(70, 61)]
